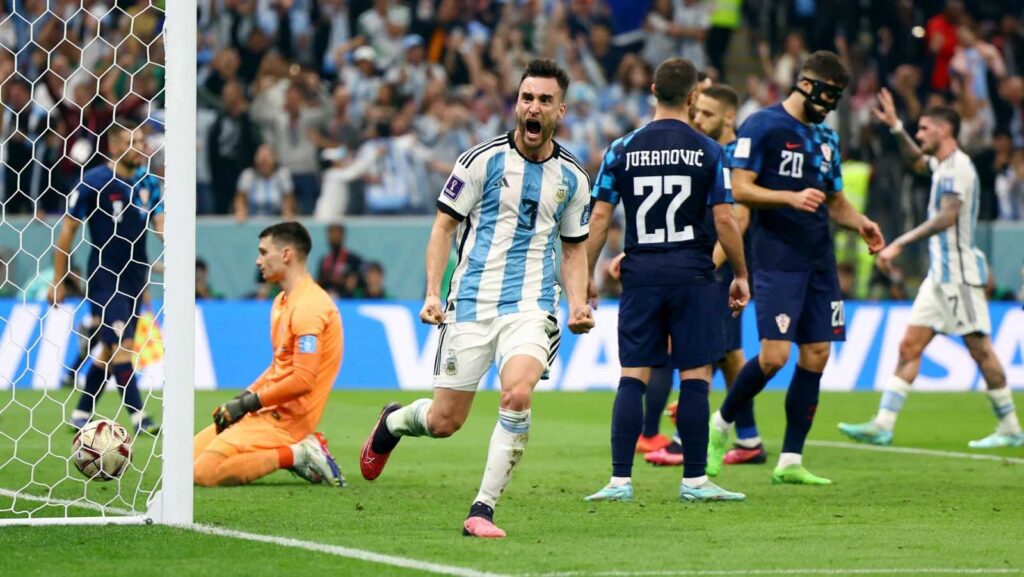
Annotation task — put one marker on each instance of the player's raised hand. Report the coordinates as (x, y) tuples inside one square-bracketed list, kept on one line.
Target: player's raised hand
[(431, 312), (886, 256), (581, 319), (872, 235), (808, 200), (739, 295), (885, 111)]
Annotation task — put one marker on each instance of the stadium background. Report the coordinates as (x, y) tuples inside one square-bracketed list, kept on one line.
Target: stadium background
[(353, 112)]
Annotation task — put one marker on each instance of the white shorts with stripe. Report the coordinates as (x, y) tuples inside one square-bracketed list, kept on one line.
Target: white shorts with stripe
[(951, 308), (466, 350)]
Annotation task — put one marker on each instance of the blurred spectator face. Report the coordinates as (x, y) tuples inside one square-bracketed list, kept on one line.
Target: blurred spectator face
[(712, 116), (931, 132), (794, 44), (1002, 144), (954, 10), (293, 100), (17, 95), (82, 95), (336, 236), (374, 278), (906, 78), (600, 38), (365, 59), (1013, 90), (965, 37), (233, 96), (265, 161), (538, 110), (934, 100)]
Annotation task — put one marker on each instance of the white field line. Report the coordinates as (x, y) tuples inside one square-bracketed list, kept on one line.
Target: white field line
[(913, 451), (829, 571), (77, 503)]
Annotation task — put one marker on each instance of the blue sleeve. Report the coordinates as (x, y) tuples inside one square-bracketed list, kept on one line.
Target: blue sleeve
[(721, 189), (82, 200), (836, 175), (605, 185), (748, 153)]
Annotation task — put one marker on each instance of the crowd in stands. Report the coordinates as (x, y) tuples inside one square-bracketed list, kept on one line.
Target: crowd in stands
[(331, 108)]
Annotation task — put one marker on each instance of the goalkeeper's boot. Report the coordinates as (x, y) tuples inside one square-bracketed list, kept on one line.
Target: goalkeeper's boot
[(868, 432), (708, 491), (316, 463), (147, 425), (378, 446), (997, 440), (480, 523), (745, 455), (670, 456), (613, 493), (797, 475), (718, 443), (652, 443)]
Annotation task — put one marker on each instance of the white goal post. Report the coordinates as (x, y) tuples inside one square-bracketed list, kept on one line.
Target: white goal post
[(38, 481)]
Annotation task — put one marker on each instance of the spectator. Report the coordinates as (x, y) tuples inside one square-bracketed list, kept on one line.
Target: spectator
[(23, 123), (691, 20), (787, 65), (1009, 187), (231, 146), (339, 272), (265, 189), (414, 73), (940, 34), (204, 291), (373, 274), (384, 26)]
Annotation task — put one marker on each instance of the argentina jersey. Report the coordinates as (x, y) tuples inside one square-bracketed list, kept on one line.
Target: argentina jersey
[(788, 155), (666, 174), (954, 256), (510, 212)]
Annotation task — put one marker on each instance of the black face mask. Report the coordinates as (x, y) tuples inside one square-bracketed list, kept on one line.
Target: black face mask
[(816, 95)]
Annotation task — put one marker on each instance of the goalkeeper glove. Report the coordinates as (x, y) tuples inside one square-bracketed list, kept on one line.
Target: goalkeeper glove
[(231, 412)]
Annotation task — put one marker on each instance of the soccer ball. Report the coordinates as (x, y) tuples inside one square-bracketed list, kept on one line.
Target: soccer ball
[(102, 450)]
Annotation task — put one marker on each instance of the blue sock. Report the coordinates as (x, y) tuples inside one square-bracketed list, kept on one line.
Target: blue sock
[(627, 422), (801, 404), (658, 390), (125, 375), (746, 427), (692, 424), (749, 383), (94, 381)]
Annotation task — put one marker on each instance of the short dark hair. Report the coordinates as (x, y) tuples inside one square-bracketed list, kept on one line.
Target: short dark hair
[(944, 114), (827, 66), (674, 80), (723, 93), (546, 68), (290, 233)]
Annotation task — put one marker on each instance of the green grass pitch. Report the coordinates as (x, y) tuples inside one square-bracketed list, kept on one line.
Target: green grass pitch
[(887, 512)]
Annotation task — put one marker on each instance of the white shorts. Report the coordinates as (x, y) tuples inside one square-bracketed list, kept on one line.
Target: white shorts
[(951, 309), (466, 350)]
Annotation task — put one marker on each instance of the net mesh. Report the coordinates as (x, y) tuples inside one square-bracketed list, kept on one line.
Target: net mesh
[(78, 79)]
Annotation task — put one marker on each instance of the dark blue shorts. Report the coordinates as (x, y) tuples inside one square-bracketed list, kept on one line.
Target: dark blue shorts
[(799, 306), (690, 314), (732, 328), (118, 314)]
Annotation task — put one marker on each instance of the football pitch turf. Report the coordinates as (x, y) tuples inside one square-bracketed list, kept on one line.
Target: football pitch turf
[(923, 508)]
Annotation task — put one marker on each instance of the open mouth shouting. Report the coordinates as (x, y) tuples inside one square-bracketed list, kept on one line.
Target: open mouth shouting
[(533, 129)]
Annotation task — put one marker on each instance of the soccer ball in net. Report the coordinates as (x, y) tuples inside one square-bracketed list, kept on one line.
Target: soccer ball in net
[(102, 450)]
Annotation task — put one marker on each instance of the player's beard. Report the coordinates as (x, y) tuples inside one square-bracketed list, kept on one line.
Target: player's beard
[(547, 130), (814, 114), (716, 132)]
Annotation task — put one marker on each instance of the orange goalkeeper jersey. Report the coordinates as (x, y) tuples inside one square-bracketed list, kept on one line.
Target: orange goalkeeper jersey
[(305, 330)]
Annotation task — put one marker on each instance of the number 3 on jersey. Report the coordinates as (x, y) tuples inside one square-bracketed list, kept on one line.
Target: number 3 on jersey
[(792, 164), (656, 186)]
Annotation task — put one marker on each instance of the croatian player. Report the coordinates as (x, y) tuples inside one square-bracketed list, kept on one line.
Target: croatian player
[(510, 198), (271, 425), (715, 115), (786, 164), (951, 299), (667, 174), (118, 202)]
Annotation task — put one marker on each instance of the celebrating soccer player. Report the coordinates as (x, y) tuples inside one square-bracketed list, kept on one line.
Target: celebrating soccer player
[(786, 164), (509, 198), (271, 425), (951, 299), (118, 201), (667, 174)]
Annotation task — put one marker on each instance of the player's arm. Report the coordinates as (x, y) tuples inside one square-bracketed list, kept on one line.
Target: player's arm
[(949, 212), (844, 214), (746, 191), (743, 222), (438, 248), (600, 220), (885, 113), (575, 274), (62, 256)]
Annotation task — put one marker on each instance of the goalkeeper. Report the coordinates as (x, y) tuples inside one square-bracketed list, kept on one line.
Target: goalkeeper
[(271, 425)]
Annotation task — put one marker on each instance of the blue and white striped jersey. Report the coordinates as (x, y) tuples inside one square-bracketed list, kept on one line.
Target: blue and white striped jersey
[(954, 256), (511, 210)]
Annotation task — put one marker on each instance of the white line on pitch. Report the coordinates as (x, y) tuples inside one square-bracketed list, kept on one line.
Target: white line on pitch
[(696, 572), (347, 552), (914, 451), (77, 503)]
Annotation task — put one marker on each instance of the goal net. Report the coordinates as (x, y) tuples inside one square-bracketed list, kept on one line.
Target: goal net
[(96, 315)]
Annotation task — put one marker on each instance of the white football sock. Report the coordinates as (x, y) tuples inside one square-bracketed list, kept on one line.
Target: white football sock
[(410, 420), (507, 444), (721, 424), (1005, 410), (787, 459), (749, 443), (76, 414), (620, 481), (695, 482), (893, 397)]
